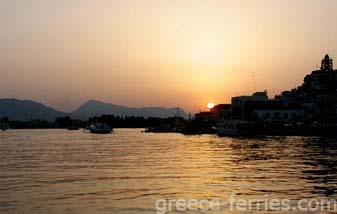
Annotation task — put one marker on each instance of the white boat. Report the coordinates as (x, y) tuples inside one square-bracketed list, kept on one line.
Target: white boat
[(100, 128), (232, 127), (73, 128)]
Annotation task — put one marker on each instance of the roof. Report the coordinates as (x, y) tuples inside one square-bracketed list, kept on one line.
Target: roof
[(222, 106)]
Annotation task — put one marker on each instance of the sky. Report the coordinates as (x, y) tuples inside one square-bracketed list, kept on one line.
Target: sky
[(140, 53)]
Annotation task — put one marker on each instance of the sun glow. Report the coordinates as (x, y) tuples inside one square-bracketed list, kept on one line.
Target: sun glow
[(207, 49), (210, 105)]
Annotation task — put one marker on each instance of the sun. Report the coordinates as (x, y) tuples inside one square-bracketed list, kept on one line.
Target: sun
[(210, 105)]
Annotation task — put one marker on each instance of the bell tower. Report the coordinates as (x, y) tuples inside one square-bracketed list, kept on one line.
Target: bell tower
[(326, 63)]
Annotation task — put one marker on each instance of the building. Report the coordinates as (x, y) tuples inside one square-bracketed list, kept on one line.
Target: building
[(317, 95), (260, 108), (204, 116), (238, 103), (314, 101), (323, 79), (221, 111), (278, 115), (250, 106)]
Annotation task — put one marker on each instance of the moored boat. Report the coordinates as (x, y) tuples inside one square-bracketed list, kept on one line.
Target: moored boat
[(100, 128), (73, 128), (233, 128)]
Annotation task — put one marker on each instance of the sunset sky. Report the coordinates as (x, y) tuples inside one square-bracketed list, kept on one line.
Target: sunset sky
[(159, 53)]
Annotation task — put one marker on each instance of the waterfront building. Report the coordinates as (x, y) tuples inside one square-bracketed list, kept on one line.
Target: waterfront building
[(203, 116), (238, 103), (221, 111), (252, 105), (278, 115), (314, 101)]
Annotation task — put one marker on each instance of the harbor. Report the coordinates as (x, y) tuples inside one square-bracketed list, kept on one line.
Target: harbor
[(307, 110), (168, 107)]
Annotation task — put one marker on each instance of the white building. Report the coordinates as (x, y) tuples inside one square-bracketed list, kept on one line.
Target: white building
[(278, 115)]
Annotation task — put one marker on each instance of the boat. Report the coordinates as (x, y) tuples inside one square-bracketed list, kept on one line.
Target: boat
[(100, 128), (73, 128), (233, 128)]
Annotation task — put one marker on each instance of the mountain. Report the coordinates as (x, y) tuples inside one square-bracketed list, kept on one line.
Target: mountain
[(97, 108), (24, 110)]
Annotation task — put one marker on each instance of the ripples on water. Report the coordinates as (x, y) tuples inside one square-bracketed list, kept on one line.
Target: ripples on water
[(60, 171)]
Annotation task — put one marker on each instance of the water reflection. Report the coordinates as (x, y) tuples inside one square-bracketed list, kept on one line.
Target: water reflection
[(126, 172), (322, 165)]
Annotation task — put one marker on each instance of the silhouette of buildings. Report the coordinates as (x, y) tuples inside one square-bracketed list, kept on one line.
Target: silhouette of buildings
[(317, 95), (278, 115), (323, 79), (315, 101), (221, 111), (239, 108), (204, 116)]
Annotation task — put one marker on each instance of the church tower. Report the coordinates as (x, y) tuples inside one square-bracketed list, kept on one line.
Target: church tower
[(326, 64)]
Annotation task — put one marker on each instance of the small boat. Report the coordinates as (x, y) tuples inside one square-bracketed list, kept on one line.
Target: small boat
[(73, 128), (100, 128), (233, 128)]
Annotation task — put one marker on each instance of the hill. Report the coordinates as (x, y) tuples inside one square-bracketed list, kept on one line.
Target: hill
[(25, 110), (96, 108)]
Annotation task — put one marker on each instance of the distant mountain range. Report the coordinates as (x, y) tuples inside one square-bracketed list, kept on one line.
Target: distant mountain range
[(95, 108), (25, 110)]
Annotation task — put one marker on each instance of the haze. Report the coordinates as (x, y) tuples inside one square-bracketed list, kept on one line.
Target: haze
[(159, 53)]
